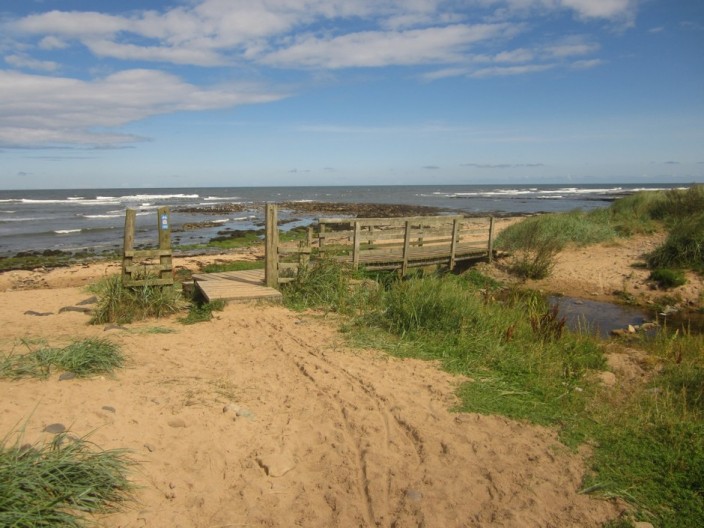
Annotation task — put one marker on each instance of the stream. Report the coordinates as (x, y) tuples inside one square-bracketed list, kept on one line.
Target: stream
[(601, 318)]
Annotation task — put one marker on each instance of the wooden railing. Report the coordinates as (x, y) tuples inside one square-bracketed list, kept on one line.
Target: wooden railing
[(381, 243), (402, 243)]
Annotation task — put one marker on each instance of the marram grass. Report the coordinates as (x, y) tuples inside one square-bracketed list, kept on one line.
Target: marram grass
[(61, 483), (84, 358)]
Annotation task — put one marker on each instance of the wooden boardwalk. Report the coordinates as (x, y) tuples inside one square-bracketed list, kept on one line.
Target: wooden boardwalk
[(235, 286)]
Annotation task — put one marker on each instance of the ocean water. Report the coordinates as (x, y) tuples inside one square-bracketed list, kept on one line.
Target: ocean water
[(93, 219)]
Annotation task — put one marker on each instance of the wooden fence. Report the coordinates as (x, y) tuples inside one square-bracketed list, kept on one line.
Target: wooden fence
[(381, 243)]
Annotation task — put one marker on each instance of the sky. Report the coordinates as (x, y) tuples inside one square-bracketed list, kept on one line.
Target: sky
[(195, 93)]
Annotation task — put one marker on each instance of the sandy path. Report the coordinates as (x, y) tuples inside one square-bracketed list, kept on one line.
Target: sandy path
[(262, 417)]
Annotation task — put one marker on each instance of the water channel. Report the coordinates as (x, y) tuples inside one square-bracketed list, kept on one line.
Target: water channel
[(601, 318)]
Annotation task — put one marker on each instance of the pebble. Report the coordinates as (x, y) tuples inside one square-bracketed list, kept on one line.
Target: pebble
[(67, 376), (176, 422), (55, 428), (150, 447), (108, 408)]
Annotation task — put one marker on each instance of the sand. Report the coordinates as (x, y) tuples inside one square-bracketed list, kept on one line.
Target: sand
[(265, 417)]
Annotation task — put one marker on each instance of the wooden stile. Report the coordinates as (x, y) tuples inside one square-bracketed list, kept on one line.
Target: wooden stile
[(137, 266)]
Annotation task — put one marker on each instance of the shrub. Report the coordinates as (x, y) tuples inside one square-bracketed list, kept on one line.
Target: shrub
[(683, 248), (667, 278)]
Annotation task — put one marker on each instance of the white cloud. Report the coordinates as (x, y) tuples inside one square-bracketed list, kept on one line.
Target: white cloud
[(586, 64), (40, 110), (25, 62), (213, 32), (503, 71), (51, 43), (369, 49)]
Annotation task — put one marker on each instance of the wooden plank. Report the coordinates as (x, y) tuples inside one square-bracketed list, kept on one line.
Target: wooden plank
[(272, 246), (235, 290)]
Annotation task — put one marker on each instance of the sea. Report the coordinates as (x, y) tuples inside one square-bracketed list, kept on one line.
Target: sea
[(79, 220)]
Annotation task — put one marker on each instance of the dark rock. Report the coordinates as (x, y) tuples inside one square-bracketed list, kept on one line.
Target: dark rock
[(55, 428), (81, 309), (108, 408), (37, 314), (89, 300), (65, 376)]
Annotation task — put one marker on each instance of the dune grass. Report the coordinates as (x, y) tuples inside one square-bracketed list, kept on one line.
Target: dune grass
[(200, 312), (237, 265), (62, 483), (120, 304), (83, 358), (535, 241), (646, 438)]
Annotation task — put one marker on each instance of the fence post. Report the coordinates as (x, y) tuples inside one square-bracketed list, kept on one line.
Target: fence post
[(491, 238), (271, 252), (453, 244), (128, 244), (164, 228), (355, 245), (406, 246)]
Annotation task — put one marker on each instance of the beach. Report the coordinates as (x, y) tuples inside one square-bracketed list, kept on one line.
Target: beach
[(266, 417)]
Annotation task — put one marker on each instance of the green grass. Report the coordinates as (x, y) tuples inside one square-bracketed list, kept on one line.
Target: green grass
[(684, 246), (667, 278), (120, 304), (202, 312), (646, 438), (60, 483), (238, 265), (84, 358), (535, 241)]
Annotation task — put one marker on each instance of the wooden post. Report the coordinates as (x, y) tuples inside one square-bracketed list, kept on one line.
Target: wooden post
[(321, 238), (271, 272), (491, 238), (406, 245), (128, 245), (164, 228), (355, 245), (455, 240)]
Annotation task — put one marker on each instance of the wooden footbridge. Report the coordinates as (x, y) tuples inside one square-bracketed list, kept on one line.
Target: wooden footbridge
[(371, 243)]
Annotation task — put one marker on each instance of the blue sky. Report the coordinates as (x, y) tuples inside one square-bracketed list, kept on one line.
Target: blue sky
[(341, 92)]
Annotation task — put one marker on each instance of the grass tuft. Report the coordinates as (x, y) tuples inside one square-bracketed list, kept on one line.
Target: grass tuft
[(84, 358), (57, 483), (202, 312), (120, 304)]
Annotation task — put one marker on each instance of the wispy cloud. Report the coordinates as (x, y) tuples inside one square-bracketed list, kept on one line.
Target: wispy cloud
[(474, 39), (43, 111)]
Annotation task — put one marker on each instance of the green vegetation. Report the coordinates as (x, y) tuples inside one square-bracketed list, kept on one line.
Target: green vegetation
[(524, 364), (237, 265), (83, 358), (56, 484), (667, 278), (120, 304), (202, 312), (535, 241)]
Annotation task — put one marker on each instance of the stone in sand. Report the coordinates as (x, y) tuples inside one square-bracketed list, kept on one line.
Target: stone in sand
[(176, 422), (67, 376), (55, 428)]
